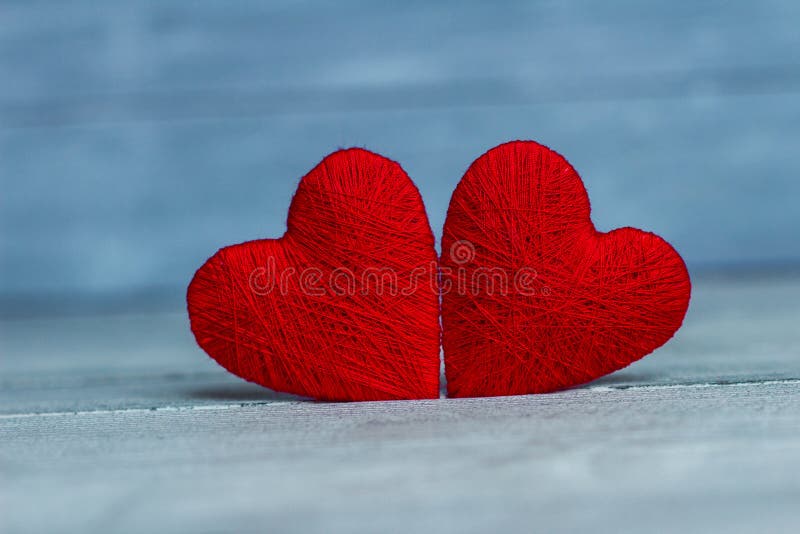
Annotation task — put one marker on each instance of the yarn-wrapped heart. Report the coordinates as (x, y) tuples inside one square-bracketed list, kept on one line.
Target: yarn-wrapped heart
[(535, 298), (345, 305)]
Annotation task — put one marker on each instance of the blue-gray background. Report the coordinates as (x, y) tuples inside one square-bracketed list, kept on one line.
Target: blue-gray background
[(136, 138)]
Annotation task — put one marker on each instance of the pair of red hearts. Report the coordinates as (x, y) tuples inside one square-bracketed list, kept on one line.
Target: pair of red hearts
[(345, 306)]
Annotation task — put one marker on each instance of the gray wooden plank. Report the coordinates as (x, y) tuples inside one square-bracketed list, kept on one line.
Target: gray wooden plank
[(674, 459), (155, 46), (737, 330), (176, 128), (128, 208)]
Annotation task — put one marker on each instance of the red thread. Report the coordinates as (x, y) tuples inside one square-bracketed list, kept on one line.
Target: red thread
[(337, 334), (591, 302)]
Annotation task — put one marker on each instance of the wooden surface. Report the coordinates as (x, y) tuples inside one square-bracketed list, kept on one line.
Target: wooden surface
[(136, 138), (121, 424)]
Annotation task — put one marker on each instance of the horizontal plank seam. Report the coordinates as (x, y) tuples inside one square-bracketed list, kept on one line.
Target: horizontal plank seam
[(232, 406)]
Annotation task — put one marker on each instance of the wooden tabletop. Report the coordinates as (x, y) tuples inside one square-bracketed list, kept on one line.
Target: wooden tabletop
[(120, 423)]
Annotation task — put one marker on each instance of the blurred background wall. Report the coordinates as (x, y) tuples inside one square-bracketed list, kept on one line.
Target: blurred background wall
[(136, 138)]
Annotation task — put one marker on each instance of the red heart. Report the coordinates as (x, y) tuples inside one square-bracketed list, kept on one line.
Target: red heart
[(328, 310), (577, 303)]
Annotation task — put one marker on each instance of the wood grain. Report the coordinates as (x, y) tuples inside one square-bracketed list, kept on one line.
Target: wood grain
[(120, 423), (138, 138), (676, 459)]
